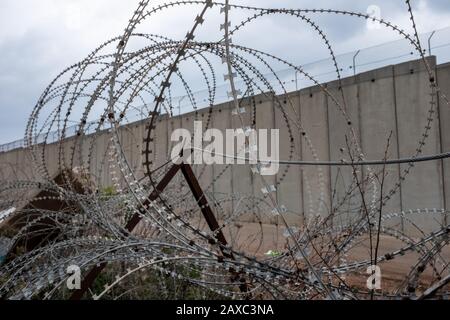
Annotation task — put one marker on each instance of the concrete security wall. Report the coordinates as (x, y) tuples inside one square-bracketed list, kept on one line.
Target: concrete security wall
[(391, 99)]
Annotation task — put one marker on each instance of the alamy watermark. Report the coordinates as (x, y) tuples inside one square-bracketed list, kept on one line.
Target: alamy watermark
[(74, 280), (374, 13), (237, 146), (73, 17)]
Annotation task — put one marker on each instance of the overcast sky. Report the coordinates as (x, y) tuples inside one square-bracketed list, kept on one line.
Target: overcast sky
[(38, 39)]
